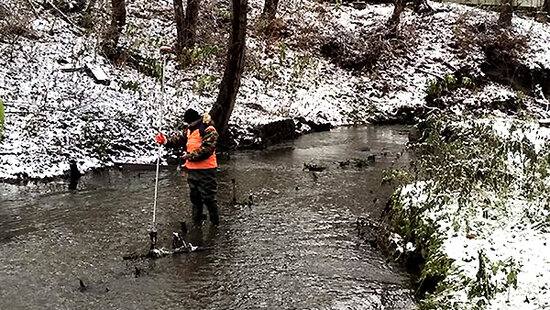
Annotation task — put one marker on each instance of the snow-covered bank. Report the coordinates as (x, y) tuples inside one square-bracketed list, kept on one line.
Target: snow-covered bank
[(478, 214), (54, 115)]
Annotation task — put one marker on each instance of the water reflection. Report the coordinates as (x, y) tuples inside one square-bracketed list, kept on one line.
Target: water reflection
[(294, 248)]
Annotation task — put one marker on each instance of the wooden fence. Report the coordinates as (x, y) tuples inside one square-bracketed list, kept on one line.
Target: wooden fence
[(532, 4)]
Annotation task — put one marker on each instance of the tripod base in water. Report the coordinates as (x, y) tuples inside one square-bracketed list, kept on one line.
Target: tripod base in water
[(153, 237), (158, 253), (178, 246)]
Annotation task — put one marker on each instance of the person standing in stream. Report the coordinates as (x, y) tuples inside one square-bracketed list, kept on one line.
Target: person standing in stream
[(199, 139)]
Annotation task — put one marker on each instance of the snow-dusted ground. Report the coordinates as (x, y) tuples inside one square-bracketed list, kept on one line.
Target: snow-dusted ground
[(511, 229), (54, 116)]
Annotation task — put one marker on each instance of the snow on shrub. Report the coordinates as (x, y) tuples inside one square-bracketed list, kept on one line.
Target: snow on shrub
[(477, 210)]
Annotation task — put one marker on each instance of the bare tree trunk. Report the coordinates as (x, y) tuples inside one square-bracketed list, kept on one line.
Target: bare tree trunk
[(190, 23), (186, 24), (270, 9), (180, 24), (118, 19), (229, 87), (546, 6), (396, 16), (505, 18), (87, 19)]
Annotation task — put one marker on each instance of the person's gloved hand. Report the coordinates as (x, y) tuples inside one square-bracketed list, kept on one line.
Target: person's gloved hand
[(160, 138)]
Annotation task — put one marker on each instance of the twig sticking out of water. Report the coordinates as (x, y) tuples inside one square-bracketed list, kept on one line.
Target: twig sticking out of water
[(234, 192), (82, 287)]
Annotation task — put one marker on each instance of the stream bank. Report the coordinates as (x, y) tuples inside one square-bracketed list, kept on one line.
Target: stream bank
[(471, 214)]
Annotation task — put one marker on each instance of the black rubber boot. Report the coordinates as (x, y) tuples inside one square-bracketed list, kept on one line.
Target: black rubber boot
[(213, 212)]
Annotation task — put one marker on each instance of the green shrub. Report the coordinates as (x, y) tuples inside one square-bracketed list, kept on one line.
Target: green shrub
[(130, 29), (440, 86), (153, 67), (261, 24), (225, 15), (267, 73), (466, 81), (204, 83), (282, 51), (301, 64), (191, 56), (130, 85), (482, 287)]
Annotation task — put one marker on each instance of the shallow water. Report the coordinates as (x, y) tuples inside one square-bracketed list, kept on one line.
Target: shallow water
[(295, 247)]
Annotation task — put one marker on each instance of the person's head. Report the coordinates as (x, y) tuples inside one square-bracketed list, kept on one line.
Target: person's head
[(191, 116)]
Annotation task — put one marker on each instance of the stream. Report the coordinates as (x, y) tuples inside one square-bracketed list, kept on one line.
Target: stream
[(295, 247)]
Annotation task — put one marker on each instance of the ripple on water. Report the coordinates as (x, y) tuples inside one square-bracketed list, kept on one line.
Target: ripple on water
[(295, 247)]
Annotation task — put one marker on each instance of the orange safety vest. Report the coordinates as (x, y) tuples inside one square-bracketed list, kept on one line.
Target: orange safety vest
[(194, 142)]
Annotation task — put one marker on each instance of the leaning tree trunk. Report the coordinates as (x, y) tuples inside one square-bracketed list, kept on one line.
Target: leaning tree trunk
[(396, 16), (270, 9), (221, 111), (505, 18)]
